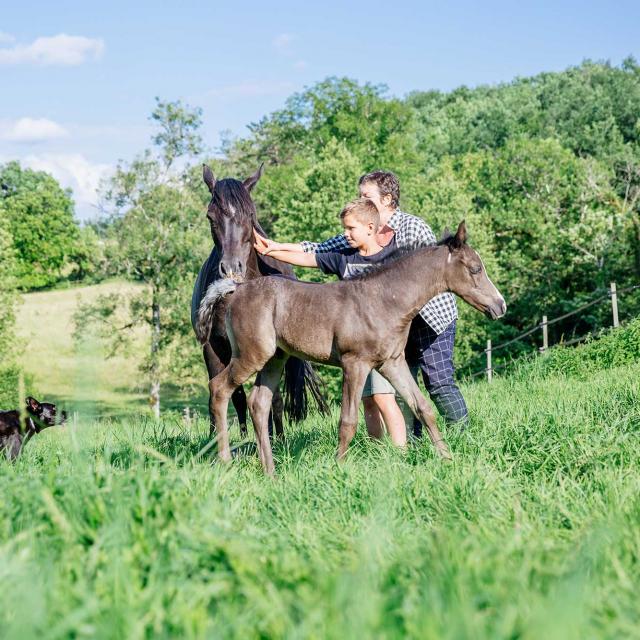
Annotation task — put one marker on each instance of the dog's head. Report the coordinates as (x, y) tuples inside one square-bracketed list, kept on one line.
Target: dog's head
[(46, 413)]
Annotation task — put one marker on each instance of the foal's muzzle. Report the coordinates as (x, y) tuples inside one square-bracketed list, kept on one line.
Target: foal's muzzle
[(496, 309)]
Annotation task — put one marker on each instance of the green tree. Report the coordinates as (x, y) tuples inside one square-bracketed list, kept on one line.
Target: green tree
[(310, 208), (8, 298), (40, 221), (155, 237)]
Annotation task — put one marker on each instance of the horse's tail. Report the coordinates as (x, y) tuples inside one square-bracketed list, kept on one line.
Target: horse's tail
[(300, 377), (216, 291)]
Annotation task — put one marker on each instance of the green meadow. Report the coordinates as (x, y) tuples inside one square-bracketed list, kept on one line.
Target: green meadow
[(77, 373), (127, 528)]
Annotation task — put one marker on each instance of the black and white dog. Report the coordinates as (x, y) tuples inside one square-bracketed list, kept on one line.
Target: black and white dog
[(38, 416)]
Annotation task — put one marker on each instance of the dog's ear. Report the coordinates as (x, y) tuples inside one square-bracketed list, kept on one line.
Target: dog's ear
[(33, 405)]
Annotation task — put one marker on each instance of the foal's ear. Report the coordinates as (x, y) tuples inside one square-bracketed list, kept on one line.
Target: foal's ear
[(209, 178), (251, 182), (460, 239)]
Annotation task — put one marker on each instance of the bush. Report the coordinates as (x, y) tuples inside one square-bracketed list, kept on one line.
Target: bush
[(614, 348), (10, 387)]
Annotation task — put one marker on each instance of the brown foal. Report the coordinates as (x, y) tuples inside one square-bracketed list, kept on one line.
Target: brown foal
[(358, 324)]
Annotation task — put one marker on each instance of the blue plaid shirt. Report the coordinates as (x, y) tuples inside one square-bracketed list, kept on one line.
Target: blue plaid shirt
[(411, 233)]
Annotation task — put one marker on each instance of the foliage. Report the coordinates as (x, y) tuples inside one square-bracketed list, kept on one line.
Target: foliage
[(614, 348), (178, 134), (8, 297), (155, 238), (40, 220), (546, 171)]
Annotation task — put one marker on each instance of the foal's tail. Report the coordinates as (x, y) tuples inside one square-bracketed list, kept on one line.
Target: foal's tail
[(216, 291), (300, 377)]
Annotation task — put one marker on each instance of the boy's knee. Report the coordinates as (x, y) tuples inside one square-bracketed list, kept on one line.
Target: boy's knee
[(383, 400)]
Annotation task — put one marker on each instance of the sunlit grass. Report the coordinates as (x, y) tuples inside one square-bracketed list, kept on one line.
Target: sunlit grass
[(126, 529)]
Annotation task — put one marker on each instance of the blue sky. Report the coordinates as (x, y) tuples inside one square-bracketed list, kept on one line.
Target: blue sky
[(78, 79)]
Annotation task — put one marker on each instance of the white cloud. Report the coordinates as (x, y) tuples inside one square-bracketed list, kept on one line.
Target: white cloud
[(301, 65), (282, 43), (6, 38), (75, 172), (251, 90), (56, 50), (31, 130)]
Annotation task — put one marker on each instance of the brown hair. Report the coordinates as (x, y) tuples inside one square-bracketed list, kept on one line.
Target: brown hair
[(387, 184), (363, 209)]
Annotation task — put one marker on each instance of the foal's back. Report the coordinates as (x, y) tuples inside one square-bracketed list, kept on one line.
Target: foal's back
[(317, 322)]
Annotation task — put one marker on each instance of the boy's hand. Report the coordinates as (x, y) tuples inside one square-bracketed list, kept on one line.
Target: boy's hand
[(263, 245)]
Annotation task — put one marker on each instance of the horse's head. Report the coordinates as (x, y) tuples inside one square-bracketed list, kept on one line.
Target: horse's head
[(466, 276), (232, 216)]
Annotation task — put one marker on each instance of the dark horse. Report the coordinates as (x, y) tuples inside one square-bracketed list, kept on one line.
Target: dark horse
[(232, 217), (363, 325)]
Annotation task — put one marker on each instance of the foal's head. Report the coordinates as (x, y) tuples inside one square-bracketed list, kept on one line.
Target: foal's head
[(232, 216), (466, 276)]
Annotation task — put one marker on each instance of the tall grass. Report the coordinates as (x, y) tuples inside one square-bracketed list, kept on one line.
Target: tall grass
[(130, 530)]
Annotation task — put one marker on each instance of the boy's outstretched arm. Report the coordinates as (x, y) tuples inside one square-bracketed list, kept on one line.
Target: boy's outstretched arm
[(297, 258), (264, 245)]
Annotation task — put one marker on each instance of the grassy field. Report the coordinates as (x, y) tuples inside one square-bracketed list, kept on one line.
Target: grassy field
[(127, 529), (78, 374)]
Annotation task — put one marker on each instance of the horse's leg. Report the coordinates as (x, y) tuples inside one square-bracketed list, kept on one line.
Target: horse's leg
[(354, 375), (260, 400), (216, 357), (239, 399), (277, 410), (398, 373), (220, 389)]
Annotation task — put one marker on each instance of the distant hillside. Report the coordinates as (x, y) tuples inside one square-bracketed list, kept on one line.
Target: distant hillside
[(78, 375)]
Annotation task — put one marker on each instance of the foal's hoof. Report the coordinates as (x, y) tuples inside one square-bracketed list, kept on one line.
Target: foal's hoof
[(445, 454)]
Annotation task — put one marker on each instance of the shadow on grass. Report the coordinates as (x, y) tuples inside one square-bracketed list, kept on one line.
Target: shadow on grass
[(160, 443)]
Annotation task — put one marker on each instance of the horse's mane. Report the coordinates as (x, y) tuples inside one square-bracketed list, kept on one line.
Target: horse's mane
[(232, 198), (397, 257)]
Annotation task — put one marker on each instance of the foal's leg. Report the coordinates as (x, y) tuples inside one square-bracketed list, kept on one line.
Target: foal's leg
[(398, 373), (354, 375), (220, 390), (260, 400), (215, 357)]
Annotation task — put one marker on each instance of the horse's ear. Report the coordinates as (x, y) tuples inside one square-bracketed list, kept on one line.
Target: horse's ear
[(460, 239), (209, 178), (251, 182)]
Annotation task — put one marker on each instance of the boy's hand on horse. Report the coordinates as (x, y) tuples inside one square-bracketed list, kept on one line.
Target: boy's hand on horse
[(263, 245)]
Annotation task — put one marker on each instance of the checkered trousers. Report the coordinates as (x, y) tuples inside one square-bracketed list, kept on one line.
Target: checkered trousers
[(411, 233), (433, 354)]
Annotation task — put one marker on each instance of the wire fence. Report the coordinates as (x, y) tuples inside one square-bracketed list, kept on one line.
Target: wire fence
[(489, 369)]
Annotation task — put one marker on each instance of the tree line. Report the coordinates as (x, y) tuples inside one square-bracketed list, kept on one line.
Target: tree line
[(545, 170)]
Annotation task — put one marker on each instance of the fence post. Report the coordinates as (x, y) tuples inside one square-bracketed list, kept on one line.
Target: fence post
[(614, 305), (545, 334), (489, 370)]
